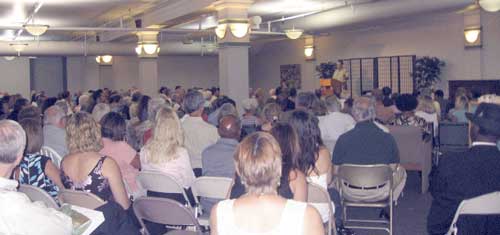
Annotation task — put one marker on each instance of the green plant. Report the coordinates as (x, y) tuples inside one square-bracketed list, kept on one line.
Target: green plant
[(325, 70), (427, 72)]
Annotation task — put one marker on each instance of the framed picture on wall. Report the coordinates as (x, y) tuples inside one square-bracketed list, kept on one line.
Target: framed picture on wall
[(290, 75)]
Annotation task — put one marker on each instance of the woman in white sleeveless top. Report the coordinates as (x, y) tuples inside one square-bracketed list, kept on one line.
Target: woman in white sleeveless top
[(315, 160), (261, 211)]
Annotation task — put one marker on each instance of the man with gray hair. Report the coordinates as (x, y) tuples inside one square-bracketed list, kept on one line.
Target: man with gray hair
[(54, 134), (334, 123), (18, 214), (368, 144), (198, 134)]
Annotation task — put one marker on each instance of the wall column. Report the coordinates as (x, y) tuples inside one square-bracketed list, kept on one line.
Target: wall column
[(148, 76)]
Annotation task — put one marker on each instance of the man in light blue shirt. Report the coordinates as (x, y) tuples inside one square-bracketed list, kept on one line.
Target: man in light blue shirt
[(217, 159), (54, 134)]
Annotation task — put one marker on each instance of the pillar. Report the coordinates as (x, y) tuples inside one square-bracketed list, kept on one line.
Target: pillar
[(233, 51), (148, 76)]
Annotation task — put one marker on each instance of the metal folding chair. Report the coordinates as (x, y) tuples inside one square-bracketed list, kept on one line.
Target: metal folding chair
[(210, 187), (81, 198), (37, 194), (317, 194)]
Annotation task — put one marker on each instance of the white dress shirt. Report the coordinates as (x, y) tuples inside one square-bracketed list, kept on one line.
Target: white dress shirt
[(333, 125), (18, 215), (198, 135)]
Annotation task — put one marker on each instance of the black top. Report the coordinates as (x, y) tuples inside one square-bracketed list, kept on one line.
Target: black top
[(366, 144), (95, 182), (462, 176)]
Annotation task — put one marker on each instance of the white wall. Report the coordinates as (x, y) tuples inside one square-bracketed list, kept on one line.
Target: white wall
[(15, 76), (439, 35), (188, 71), (48, 75)]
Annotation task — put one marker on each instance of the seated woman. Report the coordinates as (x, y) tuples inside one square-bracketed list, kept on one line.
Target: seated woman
[(314, 158), (249, 121), (113, 131), (35, 169), (165, 151), (427, 111), (457, 114), (293, 183), (85, 168), (407, 104), (271, 113), (261, 210)]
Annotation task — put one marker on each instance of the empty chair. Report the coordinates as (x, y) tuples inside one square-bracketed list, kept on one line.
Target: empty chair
[(414, 153), (453, 136), (211, 188), (487, 204), (81, 198), (161, 183), (317, 195), (165, 211), (37, 194), (49, 152), (361, 178)]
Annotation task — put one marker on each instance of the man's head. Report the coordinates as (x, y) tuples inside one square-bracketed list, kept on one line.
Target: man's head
[(340, 64), (54, 115), (363, 109), (332, 104), (12, 144), (194, 102), (485, 122), (230, 127), (439, 94), (305, 100)]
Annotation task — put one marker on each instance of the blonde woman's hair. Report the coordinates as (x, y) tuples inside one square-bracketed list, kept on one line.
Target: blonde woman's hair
[(168, 137), (426, 104), (461, 102), (83, 133), (258, 163)]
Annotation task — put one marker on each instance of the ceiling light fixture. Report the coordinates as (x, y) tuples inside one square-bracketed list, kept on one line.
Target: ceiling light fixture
[(220, 30), (36, 29), (472, 35), (104, 60), (147, 45), (308, 51), (294, 33), (9, 58), (490, 5), (18, 47), (239, 30)]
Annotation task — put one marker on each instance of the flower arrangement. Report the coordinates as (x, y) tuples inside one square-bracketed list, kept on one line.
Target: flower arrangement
[(325, 70)]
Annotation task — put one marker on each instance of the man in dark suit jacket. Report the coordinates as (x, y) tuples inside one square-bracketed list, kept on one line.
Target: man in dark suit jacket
[(466, 175)]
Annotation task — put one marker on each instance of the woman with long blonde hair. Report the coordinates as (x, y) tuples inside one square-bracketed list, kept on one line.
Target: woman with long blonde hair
[(165, 151)]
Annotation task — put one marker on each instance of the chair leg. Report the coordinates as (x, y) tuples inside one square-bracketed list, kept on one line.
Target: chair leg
[(390, 218)]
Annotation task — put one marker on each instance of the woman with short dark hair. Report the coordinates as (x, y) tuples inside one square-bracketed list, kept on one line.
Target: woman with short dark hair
[(113, 131), (35, 169), (407, 104)]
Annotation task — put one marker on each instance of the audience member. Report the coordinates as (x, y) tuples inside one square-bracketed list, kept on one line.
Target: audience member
[(140, 124), (113, 131), (443, 103), (165, 151), (30, 112), (427, 111), (386, 100), (258, 164), (99, 111), (367, 144), (18, 105), (85, 169), (54, 134), (217, 158), (271, 113), (335, 123), (18, 214), (407, 104), (197, 133), (305, 100), (249, 121), (384, 113), (468, 174), (35, 169), (457, 114)]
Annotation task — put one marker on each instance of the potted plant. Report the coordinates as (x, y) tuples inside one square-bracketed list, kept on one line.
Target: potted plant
[(324, 72), (427, 72)]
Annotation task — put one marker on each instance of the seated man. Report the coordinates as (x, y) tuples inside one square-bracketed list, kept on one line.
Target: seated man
[(368, 144), (18, 214), (54, 134), (335, 123), (468, 174), (217, 159)]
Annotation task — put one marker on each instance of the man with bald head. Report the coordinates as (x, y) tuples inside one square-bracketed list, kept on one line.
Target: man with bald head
[(368, 144), (217, 159)]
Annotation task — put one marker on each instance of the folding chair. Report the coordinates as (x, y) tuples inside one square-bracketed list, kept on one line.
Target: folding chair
[(162, 183), (317, 194), (453, 136), (49, 152), (213, 188), (487, 204), (165, 211), (37, 194), (81, 198), (366, 177)]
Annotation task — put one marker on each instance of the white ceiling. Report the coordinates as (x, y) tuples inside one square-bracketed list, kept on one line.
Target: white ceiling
[(325, 15)]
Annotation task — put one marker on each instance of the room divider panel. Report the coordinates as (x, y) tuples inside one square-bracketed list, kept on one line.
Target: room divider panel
[(395, 72)]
